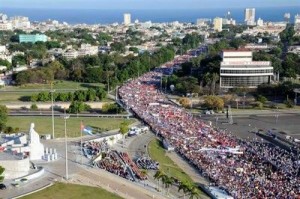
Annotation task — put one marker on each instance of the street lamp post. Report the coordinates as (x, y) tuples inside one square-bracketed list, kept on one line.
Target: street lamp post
[(52, 111), (65, 117), (276, 116)]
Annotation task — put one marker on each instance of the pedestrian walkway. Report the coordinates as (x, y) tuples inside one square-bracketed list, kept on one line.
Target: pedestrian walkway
[(115, 184)]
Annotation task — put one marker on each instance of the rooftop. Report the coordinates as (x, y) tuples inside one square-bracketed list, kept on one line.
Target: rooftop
[(237, 50)]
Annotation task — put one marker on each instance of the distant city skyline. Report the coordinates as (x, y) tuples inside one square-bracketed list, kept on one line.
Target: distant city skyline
[(144, 4)]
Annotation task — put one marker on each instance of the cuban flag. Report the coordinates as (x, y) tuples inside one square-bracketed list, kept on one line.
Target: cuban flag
[(86, 129)]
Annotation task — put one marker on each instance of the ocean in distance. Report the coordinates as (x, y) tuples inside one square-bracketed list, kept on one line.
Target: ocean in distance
[(101, 16)]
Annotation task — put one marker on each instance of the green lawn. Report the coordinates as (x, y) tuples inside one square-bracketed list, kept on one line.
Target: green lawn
[(43, 125), (158, 153), (14, 97), (166, 165), (56, 85), (72, 191), (18, 92)]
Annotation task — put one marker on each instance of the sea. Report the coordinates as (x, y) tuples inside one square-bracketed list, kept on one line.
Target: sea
[(102, 16)]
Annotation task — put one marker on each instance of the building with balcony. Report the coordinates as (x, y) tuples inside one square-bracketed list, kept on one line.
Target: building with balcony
[(238, 70)]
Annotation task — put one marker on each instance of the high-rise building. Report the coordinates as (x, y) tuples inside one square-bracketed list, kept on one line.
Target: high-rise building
[(203, 21), (127, 19), (297, 22), (287, 17), (250, 16), (3, 17), (19, 22), (228, 15), (260, 22), (218, 24)]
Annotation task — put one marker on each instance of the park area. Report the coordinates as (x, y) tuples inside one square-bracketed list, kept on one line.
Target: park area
[(166, 165), (23, 93), (72, 191), (43, 124)]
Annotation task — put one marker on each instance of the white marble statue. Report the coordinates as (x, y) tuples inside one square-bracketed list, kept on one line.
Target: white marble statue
[(36, 147)]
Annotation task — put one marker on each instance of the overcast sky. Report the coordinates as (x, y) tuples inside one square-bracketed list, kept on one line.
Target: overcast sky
[(144, 4)]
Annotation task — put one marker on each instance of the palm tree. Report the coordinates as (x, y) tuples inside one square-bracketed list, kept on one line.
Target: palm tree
[(184, 186), (168, 181), (193, 191), (157, 176), (2, 169)]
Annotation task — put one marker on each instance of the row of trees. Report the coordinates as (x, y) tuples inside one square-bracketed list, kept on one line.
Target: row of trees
[(3, 123), (188, 188), (3, 117), (111, 108), (97, 94)]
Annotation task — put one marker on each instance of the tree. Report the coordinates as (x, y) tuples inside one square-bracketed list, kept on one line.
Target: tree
[(33, 107), (124, 129), (184, 186), (2, 169), (193, 191), (78, 107), (168, 181), (3, 117), (289, 103), (158, 176), (262, 99), (214, 102), (185, 102)]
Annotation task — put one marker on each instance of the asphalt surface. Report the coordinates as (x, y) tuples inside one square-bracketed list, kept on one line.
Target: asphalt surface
[(288, 124)]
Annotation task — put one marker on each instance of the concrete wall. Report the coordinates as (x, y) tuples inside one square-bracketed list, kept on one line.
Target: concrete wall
[(15, 168), (112, 139), (37, 174)]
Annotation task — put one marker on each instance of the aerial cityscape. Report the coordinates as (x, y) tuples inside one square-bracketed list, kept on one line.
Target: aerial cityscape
[(150, 99)]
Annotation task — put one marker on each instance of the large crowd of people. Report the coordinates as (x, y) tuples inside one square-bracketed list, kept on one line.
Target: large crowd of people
[(242, 169), (147, 163), (113, 161)]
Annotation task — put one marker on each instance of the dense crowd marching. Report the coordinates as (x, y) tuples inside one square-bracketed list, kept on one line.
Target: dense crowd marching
[(257, 172), (92, 148), (112, 161), (147, 163)]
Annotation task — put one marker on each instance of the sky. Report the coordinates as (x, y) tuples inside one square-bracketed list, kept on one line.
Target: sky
[(144, 4)]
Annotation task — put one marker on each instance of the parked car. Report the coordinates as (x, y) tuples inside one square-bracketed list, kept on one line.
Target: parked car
[(2, 186)]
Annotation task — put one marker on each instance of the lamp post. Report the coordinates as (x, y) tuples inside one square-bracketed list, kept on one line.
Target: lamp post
[(52, 110), (65, 117)]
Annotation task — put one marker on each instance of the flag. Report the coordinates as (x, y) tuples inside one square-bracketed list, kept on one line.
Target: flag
[(81, 126)]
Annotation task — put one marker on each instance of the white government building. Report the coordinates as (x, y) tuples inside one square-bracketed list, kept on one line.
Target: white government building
[(239, 70)]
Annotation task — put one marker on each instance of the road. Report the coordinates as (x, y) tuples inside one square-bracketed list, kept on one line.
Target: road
[(58, 114), (242, 125)]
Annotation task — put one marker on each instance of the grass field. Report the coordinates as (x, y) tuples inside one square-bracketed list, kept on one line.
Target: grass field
[(56, 85), (72, 191), (43, 125), (166, 165), (16, 93)]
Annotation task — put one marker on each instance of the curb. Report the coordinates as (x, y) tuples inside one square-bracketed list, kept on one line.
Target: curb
[(37, 190)]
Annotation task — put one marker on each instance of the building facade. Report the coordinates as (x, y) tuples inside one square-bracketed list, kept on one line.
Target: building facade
[(297, 22), (127, 19), (250, 16), (218, 24), (32, 38), (238, 70)]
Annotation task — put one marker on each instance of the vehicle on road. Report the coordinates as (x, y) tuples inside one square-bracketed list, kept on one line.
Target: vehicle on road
[(2, 186)]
